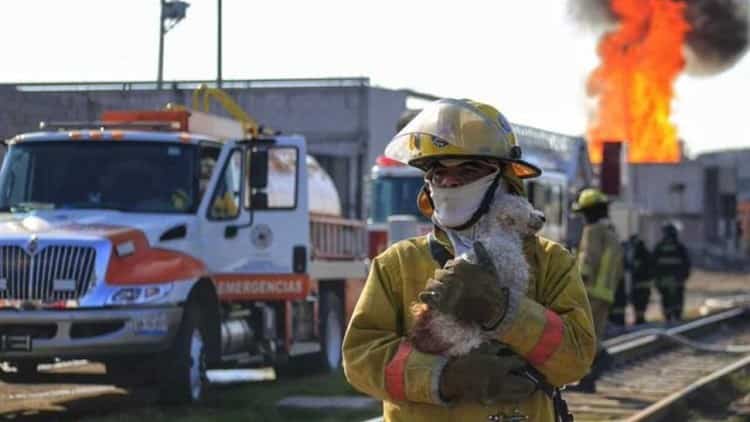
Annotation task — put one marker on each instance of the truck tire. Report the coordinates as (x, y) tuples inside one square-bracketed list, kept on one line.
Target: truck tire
[(184, 377), (331, 331)]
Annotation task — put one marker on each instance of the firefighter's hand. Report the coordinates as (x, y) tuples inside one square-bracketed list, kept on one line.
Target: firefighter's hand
[(470, 292), (485, 378)]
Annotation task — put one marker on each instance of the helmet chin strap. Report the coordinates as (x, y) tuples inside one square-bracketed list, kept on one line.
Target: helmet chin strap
[(484, 206)]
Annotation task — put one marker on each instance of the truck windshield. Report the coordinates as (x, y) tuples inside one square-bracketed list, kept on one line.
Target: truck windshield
[(395, 195), (127, 176)]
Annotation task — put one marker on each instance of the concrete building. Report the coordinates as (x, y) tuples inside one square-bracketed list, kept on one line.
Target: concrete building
[(668, 193), (728, 183), (347, 122), (708, 198)]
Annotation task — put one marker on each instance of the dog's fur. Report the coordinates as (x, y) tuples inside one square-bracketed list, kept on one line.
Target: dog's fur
[(501, 231)]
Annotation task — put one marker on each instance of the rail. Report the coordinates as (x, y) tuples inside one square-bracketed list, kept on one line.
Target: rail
[(336, 238), (654, 370)]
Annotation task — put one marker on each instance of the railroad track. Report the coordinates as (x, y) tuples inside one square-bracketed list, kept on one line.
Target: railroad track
[(655, 370)]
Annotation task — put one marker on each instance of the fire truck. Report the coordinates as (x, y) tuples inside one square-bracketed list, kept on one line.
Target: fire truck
[(166, 242), (393, 189)]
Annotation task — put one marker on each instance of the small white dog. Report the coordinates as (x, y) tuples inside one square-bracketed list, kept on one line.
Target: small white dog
[(501, 231)]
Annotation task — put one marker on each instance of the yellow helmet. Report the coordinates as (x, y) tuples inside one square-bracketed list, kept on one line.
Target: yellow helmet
[(451, 128), (588, 198)]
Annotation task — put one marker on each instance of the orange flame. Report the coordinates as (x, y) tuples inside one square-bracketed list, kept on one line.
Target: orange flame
[(640, 61)]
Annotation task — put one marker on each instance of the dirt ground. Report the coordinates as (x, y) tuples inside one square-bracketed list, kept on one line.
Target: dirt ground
[(704, 281), (705, 292)]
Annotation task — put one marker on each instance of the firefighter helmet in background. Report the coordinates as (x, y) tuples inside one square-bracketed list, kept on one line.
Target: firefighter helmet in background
[(669, 230), (588, 198), (462, 129)]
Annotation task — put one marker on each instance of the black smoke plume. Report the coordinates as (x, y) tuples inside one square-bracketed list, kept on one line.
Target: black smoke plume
[(718, 35)]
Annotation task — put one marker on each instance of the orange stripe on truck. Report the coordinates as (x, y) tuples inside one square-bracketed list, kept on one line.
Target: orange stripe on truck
[(262, 286), (147, 265)]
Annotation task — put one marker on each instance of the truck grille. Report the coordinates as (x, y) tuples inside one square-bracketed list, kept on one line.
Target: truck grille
[(54, 273)]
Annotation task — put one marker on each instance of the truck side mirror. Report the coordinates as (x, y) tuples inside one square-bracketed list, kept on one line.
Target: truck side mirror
[(258, 174), (257, 179)]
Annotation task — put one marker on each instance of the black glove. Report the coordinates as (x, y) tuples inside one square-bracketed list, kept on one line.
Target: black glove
[(485, 378), (470, 292)]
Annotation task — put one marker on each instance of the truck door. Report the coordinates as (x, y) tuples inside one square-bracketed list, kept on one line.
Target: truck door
[(222, 240), (282, 224), (275, 227)]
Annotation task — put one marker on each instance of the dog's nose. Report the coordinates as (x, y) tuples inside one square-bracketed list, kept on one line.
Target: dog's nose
[(543, 218)]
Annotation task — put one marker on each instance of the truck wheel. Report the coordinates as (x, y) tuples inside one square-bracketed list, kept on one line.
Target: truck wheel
[(331, 331), (184, 379)]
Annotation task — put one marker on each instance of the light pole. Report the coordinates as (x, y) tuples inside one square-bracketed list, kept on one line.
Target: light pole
[(172, 12), (218, 49)]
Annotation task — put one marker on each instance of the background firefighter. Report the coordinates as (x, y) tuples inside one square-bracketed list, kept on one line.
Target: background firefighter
[(671, 264), (600, 262), (638, 265)]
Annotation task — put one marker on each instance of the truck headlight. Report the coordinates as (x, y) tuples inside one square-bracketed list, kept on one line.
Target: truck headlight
[(139, 295)]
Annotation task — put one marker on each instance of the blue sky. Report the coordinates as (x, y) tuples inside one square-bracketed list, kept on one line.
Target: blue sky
[(526, 57)]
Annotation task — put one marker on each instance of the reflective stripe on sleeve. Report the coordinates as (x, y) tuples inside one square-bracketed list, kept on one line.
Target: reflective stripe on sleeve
[(549, 341), (394, 372)]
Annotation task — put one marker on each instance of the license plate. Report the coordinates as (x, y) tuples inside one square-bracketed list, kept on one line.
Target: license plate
[(10, 343)]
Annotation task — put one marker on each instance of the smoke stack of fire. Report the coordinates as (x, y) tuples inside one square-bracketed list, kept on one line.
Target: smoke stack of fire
[(649, 45), (610, 171)]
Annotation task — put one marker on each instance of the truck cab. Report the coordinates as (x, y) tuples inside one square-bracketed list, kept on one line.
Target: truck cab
[(393, 189), (164, 251)]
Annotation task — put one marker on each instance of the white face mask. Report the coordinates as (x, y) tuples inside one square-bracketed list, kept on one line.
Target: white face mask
[(455, 206)]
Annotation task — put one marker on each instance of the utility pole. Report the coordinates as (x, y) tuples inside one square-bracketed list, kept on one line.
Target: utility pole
[(170, 13), (218, 58), (160, 74)]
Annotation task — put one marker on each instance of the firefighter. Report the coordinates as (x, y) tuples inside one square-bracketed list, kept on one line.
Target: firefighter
[(637, 265), (671, 270), (600, 264), (468, 151), (619, 306)]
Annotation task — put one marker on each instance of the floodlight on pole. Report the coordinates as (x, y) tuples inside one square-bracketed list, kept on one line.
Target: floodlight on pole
[(172, 12)]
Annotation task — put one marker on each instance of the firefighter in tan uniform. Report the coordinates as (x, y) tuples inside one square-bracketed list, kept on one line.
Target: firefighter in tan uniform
[(600, 261), (468, 150)]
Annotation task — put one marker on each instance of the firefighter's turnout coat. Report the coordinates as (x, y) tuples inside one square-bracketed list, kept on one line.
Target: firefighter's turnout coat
[(553, 331), (600, 260)]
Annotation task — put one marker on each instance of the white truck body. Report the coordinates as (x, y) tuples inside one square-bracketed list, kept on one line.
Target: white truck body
[(92, 279)]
